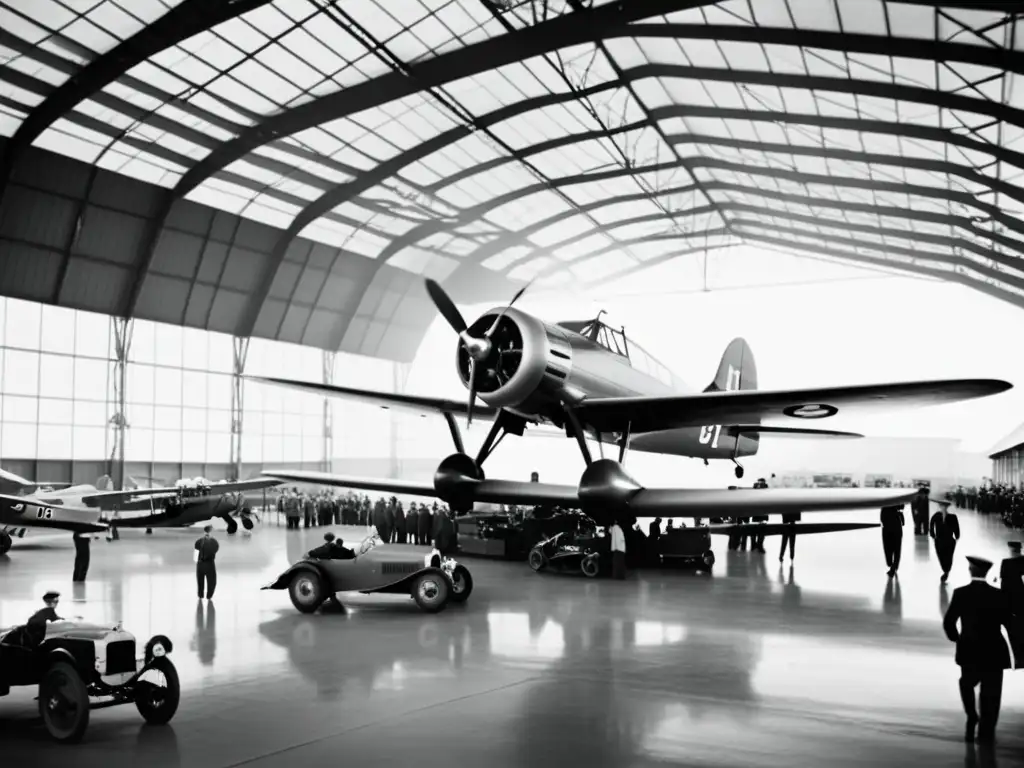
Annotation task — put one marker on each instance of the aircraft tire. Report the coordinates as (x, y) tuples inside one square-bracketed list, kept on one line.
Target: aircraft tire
[(6, 542), (232, 526), (247, 523)]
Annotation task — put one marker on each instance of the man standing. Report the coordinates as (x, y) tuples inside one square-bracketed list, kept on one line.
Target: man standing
[(82, 541), (892, 536), (445, 540), (426, 523), (399, 523), (919, 511), (618, 550), (981, 651), (1011, 582), (945, 529), (389, 519), (380, 521), (789, 537), (412, 523), (206, 567)]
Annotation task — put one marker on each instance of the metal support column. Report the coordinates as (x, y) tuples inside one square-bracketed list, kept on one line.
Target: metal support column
[(328, 378), (121, 329), (241, 347), (400, 375)]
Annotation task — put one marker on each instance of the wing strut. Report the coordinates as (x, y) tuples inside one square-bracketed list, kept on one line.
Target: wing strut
[(453, 427), (578, 433)]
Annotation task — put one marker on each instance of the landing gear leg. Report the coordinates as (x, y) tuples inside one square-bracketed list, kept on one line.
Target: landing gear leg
[(578, 433), (505, 424)]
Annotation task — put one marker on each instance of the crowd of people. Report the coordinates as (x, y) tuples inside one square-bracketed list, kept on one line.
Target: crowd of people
[(422, 524), (1001, 499)]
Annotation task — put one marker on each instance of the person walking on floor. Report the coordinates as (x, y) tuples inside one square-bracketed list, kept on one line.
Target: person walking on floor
[(892, 536), (945, 530), (206, 566), (981, 652), (789, 537), (82, 542), (1011, 584)]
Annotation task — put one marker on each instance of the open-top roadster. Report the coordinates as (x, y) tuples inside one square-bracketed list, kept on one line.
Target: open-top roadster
[(79, 667), (431, 579)]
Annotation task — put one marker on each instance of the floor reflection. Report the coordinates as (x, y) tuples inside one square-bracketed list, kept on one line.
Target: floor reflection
[(753, 665)]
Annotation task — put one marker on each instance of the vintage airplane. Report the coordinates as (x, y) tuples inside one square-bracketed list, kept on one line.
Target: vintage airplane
[(590, 380), (93, 509)]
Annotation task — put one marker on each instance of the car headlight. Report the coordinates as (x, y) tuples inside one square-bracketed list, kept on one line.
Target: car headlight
[(158, 650)]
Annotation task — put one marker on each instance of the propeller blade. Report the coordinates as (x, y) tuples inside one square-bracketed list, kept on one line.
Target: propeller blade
[(446, 306), (472, 391), (494, 325)]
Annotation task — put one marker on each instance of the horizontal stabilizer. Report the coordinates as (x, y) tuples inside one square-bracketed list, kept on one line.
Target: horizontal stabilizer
[(772, 431), (777, 529), (663, 412)]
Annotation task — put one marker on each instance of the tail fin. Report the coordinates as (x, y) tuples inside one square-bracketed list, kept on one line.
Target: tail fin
[(737, 369), (104, 483)]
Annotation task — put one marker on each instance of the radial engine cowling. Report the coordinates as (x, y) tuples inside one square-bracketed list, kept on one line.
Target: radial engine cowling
[(526, 357)]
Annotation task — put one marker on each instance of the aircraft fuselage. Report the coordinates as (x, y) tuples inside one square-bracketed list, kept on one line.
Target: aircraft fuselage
[(536, 368)]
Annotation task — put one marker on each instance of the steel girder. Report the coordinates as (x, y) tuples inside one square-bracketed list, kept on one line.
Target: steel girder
[(183, 21)]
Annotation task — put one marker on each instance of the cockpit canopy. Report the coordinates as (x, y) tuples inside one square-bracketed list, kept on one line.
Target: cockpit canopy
[(616, 342), (600, 333)]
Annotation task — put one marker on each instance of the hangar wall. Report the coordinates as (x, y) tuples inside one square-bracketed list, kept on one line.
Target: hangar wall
[(57, 398)]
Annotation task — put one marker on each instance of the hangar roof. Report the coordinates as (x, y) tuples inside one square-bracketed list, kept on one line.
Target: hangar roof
[(354, 146)]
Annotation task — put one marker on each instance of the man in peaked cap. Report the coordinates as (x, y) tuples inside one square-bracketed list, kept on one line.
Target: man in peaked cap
[(981, 651), (1011, 583)]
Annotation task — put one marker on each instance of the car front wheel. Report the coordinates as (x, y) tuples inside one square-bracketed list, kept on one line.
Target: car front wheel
[(591, 566), (5, 542), (306, 591), (430, 591), (537, 559), (158, 703), (64, 703), (462, 584)]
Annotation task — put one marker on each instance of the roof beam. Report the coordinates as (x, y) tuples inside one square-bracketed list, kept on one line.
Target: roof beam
[(183, 21), (603, 23), (561, 32), (845, 42)]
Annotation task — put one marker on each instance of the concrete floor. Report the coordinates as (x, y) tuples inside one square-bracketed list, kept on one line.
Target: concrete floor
[(824, 663)]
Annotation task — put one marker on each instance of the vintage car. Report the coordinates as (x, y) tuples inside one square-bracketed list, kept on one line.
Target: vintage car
[(431, 579), (80, 667), (584, 551)]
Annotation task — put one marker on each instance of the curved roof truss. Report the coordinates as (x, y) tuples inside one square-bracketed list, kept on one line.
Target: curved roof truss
[(542, 140)]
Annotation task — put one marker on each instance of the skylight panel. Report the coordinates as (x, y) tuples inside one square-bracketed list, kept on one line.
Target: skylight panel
[(581, 248), (601, 266), (275, 88), (865, 17), (20, 95), (531, 269), (507, 257), (561, 231)]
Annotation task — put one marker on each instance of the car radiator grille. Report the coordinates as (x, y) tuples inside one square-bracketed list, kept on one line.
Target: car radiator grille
[(400, 568), (121, 657)]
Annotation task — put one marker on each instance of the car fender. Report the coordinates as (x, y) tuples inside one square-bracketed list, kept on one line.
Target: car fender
[(61, 654), (404, 584), (285, 578)]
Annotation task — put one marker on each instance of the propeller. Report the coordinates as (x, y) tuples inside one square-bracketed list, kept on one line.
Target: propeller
[(478, 348)]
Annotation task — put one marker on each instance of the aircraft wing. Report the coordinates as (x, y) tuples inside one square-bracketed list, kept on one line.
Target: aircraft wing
[(645, 502), (652, 414), (111, 499), (773, 529), (774, 431), (27, 512), (417, 403)]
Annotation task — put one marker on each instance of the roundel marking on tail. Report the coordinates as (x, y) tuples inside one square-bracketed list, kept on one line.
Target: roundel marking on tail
[(811, 411)]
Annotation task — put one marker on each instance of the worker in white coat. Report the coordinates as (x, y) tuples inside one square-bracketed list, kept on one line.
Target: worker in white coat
[(618, 551)]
